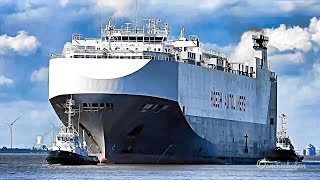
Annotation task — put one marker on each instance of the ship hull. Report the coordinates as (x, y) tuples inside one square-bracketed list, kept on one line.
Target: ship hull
[(125, 134), (69, 158), (193, 129)]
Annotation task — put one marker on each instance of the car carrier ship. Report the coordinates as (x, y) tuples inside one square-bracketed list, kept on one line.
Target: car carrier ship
[(147, 98)]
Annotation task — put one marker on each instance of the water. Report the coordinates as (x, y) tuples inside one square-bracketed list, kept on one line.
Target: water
[(26, 166)]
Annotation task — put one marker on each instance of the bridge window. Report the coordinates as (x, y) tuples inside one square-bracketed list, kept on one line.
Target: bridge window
[(158, 39), (146, 39), (140, 39), (90, 47), (78, 56), (80, 47), (132, 39), (90, 56)]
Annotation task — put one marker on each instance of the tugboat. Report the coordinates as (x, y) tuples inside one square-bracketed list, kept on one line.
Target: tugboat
[(284, 151), (67, 148)]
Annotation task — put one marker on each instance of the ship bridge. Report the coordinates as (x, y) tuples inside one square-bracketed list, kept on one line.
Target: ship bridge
[(151, 33)]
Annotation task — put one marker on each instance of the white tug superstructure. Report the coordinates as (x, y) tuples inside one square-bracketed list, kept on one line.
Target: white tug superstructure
[(138, 86), (283, 141), (67, 148), (68, 138)]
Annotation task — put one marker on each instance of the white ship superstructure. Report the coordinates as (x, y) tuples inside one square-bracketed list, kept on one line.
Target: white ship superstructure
[(139, 86)]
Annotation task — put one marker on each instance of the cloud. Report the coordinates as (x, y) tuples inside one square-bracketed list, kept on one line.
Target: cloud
[(314, 29), (119, 7), (66, 46), (40, 75), (292, 5), (286, 6), (22, 43), (292, 38), (5, 81), (281, 39), (299, 99), (63, 3), (277, 60)]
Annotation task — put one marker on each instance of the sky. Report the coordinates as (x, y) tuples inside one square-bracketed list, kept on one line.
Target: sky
[(32, 29)]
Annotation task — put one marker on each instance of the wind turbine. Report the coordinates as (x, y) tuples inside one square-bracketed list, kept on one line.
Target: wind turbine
[(11, 124)]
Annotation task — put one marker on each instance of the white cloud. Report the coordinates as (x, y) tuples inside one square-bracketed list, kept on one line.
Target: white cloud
[(281, 39), (314, 29), (40, 75), (286, 6), (296, 57), (211, 5), (291, 5), (119, 7), (66, 46), (22, 43), (63, 3), (5, 81), (291, 38)]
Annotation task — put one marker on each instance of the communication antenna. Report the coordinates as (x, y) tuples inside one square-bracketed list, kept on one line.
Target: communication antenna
[(136, 14), (101, 25), (11, 125)]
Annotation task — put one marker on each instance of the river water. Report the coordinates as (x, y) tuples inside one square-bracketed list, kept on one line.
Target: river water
[(28, 166)]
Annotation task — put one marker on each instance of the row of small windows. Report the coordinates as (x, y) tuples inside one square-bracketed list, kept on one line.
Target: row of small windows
[(97, 106), (92, 48), (110, 57), (165, 58), (135, 39), (62, 138)]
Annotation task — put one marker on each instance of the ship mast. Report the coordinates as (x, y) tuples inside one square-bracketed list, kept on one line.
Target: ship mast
[(282, 133), (70, 111)]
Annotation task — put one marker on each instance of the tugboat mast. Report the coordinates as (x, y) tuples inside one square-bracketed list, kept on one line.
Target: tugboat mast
[(70, 111), (282, 133)]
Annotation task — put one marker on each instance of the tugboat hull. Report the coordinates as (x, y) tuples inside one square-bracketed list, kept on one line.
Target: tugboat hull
[(284, 156), (69, 158)]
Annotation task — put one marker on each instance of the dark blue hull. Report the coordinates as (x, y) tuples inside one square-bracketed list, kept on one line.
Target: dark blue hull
[(124, 133), (69, 158)]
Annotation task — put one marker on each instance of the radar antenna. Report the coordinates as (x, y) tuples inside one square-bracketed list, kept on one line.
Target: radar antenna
[(260, 42)]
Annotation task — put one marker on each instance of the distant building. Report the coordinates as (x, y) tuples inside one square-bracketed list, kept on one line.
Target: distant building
[(310, 150)]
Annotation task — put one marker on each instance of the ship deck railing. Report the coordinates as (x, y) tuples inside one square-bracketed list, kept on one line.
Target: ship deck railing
[(135, 32), (213, 53), (54, 56)]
